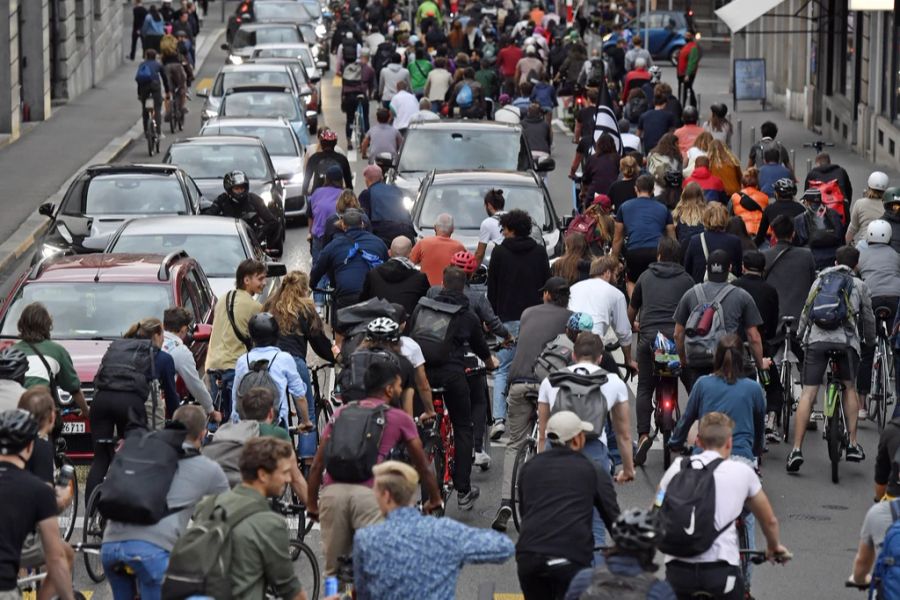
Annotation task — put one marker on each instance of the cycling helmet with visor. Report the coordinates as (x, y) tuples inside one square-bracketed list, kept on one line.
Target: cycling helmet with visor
[(13, 364), (17, 429), (785, 188), (383, 329)]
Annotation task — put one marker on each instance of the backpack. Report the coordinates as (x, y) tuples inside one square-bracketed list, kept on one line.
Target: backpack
[(200, 562), (704, 328), (124, 369), (832, 197), (580, 392), (352, 73), (824, 234), (830, 305), (536, 232), (140, 476), (595, 75), (383, 55), (227, 444), (352, 448), (433, 328), (886, 574), (465, 97), (606, 585), (258, 376), (554, 357), (351, 379), (144, 73), (635, 108), (371, 260), (688, 511), (586, 226), (318, 174), (348, 53)]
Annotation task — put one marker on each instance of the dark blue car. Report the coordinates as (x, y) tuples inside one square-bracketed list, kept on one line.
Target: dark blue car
[(667, 29)]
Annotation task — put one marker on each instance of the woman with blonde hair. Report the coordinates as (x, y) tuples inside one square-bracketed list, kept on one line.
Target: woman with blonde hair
[(700, 148), (725, 165), (346, 200), (575, 263), (299, 326), (749, 202), (622, 189), (713, 237), (688, 214)]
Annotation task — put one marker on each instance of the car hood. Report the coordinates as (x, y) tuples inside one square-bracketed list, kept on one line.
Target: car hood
[(86, 356), (108, 224), (211, 188), (288, 164), (409, 182)]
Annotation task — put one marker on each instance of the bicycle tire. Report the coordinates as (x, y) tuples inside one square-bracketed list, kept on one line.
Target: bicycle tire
[(310, 577), (667, 453), (69, 515), (744, 542), (172, 118), (149, 135), (787, 400), (885, 385), (834, 437), (522, 456), (92, 533), (878, 390)]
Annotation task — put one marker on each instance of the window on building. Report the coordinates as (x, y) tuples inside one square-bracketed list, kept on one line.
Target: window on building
[(80, 18), (848, 58)]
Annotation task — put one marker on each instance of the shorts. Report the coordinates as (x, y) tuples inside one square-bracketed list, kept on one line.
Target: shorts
[(815, 362), (637, 261)]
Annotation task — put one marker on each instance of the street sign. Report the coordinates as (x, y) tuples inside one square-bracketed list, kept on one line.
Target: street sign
[(750, 79)]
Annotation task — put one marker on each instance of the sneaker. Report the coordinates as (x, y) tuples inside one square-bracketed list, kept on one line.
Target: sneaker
[(855, 453), (771, 435), (482, 461), (794, 460), (863, 414), (504, 514), (498, 429), (467, 501), (644, 444)]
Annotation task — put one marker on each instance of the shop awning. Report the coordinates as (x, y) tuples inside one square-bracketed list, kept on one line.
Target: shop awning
[(737, 14)]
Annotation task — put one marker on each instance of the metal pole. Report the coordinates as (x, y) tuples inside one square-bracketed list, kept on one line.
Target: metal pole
[(740, 129), (223, 11), (808, 163), (753, 140), (793, 155), (698, 103), (647, 27)]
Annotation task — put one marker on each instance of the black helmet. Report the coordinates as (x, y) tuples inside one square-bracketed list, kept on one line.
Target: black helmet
[(17, 429), (636, 530), (383, 329), (13, 364), (689, 115), (673, 178), (785, 188), (263, 329), (235, 179)]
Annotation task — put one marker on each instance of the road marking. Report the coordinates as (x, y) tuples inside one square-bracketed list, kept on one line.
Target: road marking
[(204, 83), (504, 596), (336, 81)]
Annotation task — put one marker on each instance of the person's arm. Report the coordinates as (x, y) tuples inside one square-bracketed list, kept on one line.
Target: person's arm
[(618, 239), (297, 389), (278, 570), (476, 340), (348, 174), (426, 475), (187, 369), (262, 210), (691, 414), (637, 300), (756, 348), (489, 318), (868, 316), (58, 572), (423, 386), (679, 342), (480, 545), (882, 470), (543, 417), (763, 229), (605, 500), (863, 563), (81, 403), (480, 251), (165, 369), (621, 421), (765, 517), (314, 482), (298, 482)]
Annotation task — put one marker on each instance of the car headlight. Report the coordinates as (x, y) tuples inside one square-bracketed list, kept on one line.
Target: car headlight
[(235, 59), (266, 197), (209, 113), (407, 202), (321, 31), (48, 251)]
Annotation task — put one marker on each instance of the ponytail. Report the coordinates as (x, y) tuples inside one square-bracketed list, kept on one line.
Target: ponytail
[(729, 359), (144, 329)]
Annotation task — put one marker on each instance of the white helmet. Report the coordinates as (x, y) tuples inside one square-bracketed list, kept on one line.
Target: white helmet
[(878, 181), (879, 232)]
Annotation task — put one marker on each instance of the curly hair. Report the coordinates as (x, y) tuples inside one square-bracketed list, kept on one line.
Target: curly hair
[(292, 306), (518, 221)]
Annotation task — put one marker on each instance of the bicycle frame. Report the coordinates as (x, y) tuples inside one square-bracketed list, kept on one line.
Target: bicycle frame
[(836, 433)]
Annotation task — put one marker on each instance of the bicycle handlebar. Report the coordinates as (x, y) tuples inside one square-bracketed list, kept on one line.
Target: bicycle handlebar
[(862, 587), (758, 557)]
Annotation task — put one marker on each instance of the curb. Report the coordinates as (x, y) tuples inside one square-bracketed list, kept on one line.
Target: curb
[(25, 236)]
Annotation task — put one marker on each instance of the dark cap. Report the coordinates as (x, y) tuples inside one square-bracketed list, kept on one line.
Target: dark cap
[(754, 260), (718, 265), (555, 285), (812, 195), (334, 173)]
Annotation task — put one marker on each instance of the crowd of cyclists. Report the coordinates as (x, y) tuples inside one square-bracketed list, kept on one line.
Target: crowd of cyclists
[(681, 262)]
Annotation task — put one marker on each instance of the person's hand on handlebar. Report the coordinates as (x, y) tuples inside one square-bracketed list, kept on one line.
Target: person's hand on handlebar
[(624, 477), (432, 505), (778, 553), (427, 417), (633, 367), (766, 363), (215, 416)]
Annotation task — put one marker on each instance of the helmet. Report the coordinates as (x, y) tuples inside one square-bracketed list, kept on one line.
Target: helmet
[(464, 260), (13, 364), (879, 232), (235, 179), (636, 530), (383, 329), (891, 196), (580, 321), (17, 429), (878, 181), (655, 73), (673, 178), (328, 135), (785, 188), (263, 329)]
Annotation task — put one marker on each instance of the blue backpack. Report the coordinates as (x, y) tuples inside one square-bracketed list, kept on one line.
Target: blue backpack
[(830, 307), (144, 73), (886, 575), (372, 260), (464, 97)]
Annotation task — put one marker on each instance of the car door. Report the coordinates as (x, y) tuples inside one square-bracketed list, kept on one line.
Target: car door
[(195, 296)]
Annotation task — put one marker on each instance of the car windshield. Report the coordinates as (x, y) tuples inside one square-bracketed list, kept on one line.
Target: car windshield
[(260, 104), (135, 194), (280, 11), (90, 310), (211, 161), (312, 8), (233, 79), (447, 148), (279, 141), (219, 255), (465, 203), (286, 34)]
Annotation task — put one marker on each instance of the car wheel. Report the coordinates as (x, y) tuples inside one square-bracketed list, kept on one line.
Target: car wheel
[(673, 56)]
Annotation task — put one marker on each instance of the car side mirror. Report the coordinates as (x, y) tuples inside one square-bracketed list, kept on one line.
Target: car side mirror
[(203, 92), (284, 176), (545, 164), (96, 243), (315, 79), (275, 269), (312, 121), (46, 209), (202, 332), (322, 64)]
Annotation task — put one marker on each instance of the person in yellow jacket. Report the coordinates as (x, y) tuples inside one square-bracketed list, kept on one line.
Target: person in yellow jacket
[(749, 203)]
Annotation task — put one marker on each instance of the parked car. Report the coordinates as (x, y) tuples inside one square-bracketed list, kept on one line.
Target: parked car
[(666, 29), (234, 76), (268, 101)]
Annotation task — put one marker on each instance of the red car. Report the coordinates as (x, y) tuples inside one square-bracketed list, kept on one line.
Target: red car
[(94, 298)]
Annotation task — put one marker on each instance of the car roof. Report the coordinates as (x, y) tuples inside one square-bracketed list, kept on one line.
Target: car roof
[(189, 224), (484, 177), (210, 140), (464, 125), (109, 268), (138, 169), (255, 67), (266, 24), (247, 122), (280, 45)]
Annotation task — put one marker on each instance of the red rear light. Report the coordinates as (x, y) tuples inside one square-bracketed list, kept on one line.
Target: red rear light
[(667, 404)]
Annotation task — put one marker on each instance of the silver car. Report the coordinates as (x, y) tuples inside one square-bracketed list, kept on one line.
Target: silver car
[(302, 52), (233, 76)]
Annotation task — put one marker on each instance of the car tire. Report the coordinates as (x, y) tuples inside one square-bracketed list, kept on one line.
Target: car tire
[(673, 56)]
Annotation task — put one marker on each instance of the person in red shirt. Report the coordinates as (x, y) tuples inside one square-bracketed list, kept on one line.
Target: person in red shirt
[(433, 254), (636, 77), (687, 133), (508, 57), (713, 188)]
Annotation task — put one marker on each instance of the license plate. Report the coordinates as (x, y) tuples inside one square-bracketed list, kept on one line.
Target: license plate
[(70, 427)]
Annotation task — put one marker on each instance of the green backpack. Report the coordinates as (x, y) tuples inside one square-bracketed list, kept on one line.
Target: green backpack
[(200, 562)]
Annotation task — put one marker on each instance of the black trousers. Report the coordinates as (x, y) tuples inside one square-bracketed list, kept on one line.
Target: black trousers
[(647, 381), (135, 36), (719, 579), (540, 581), (478, 400), (348, 106), (112, 414), (686, 90), (456, 401)]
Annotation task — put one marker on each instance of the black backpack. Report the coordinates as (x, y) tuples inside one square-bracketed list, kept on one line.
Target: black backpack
[(348, 52), (124, 369), (352, 448), (434, 329), (606, 585), (688, 511), (352, 378), (383, 55), (140, 476)]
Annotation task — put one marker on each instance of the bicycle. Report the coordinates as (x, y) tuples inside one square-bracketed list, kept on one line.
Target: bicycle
[(94, 525), (326, 402), (666, 411), (835, 434), (327, 304), (295, 515), (525, 453), (151, 127), (175, 116), (756, 557), (359, 122), (819, 145), (785, 374), (440, 448), (880, 395), (69, 515), (30, 583)]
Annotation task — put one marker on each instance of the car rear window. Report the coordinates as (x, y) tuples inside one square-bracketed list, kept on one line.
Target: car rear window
[(260, 105), (134, 194), (279, 141), (465, 203), (233, 79), (218, 255), (281, 11), (209, 161), (447, 149), (265, 35)]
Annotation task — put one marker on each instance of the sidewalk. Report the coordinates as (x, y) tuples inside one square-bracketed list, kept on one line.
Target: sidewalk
[(92, 128)]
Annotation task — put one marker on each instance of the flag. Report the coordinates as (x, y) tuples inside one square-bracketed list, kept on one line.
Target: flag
[(605, 120)]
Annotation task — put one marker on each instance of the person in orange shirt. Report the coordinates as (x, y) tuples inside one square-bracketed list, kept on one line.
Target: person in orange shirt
[(537, 15), (749, 203), (688, 132), (432, 254)]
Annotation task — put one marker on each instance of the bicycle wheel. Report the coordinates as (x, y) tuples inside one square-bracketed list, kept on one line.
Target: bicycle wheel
[(787, 400), (876, 393), (834, 434), (69, 515), (92, 533), (149, 135), (667, 453), (744, 544), (358, 127), (306, 568), (522, 456), (885, 385)]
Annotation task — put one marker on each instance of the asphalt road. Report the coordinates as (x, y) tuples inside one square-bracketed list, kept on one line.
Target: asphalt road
[(819, 520)]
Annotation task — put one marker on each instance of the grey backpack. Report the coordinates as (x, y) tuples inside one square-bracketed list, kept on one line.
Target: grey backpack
[(227, 444), (704, 328), (258, 376), (581, 393), (606, 585)]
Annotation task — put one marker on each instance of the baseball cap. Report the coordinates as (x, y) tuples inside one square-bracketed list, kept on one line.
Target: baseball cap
[(334, 173), (554, 285), (396, 467), (603, 201), (565, 425), (580, 321), (812, 195), (718, 265), (754, 260)]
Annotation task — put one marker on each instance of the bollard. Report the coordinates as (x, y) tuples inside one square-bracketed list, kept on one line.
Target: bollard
[(808, 165), (740, 148), (223, 13), (698, 104)]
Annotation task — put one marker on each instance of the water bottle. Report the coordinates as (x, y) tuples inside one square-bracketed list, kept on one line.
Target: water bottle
[(331, 586), (764, 377)]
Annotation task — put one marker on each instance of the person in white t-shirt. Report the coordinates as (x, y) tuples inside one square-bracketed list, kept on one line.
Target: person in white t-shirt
[(736, 484), (587, 353), (489, 232), (412, 351), (403, 106)]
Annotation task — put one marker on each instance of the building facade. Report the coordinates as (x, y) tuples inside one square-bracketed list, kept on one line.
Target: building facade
[(57, 49)]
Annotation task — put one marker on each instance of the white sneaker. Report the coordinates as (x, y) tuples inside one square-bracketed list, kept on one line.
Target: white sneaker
[(482, 461), (498, 429), (863, 414)]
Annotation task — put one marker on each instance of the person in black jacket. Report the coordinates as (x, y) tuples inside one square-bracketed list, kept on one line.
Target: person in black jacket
[(139, 13), (558, 491), (396, 280), (238, 202), (825, 171), (318, 163)]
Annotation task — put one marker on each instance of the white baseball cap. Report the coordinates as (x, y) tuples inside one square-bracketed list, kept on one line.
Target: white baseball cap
[(565, 425)]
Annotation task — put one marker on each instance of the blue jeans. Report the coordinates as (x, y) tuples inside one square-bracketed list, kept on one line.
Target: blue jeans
[(148, 561), (597, 452), (226, 400), (505, 356), (308, 441)]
